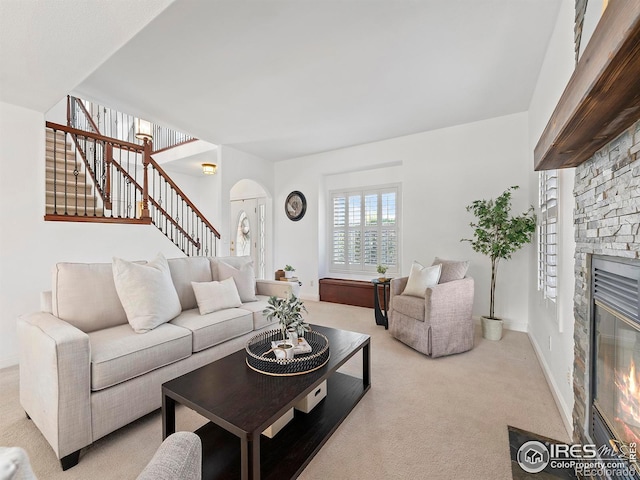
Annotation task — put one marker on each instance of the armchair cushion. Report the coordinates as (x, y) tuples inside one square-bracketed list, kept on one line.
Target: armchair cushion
[(410, 306), (451, 269), (420, 278)]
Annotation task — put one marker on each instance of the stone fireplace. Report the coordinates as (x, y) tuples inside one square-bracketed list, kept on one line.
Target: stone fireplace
[(607, 262)]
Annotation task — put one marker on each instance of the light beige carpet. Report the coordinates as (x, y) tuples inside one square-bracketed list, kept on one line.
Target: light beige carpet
[(423, 418)]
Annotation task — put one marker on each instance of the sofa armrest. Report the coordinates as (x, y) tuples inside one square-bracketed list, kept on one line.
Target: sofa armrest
[(55, 382), (449, 302), (273, 288), (179, 456)]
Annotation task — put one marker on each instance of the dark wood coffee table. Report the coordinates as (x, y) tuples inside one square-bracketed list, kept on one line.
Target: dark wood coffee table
[(240, 403)]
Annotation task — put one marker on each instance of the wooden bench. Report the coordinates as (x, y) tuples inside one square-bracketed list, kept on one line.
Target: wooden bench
[(348, 292)]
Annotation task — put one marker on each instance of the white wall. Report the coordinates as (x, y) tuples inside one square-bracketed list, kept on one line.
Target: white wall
[(551, 324), (29, 246), (442, 172)]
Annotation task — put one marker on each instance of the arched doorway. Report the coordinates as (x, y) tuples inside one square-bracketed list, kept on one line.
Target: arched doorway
[(248, 232)]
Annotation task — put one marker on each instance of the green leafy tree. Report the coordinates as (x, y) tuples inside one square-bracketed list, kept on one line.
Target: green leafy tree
[(497, 234)]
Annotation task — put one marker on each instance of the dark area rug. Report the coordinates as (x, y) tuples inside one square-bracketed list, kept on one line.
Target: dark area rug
[(517, 438)]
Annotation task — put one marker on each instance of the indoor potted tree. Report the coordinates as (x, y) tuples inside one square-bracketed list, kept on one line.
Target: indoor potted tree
[(498, 235)]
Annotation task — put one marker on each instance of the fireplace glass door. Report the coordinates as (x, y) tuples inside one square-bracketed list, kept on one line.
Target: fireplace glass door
[(617, 372)]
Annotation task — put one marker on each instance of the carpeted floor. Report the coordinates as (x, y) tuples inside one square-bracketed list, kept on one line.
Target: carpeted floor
[(442, 418)]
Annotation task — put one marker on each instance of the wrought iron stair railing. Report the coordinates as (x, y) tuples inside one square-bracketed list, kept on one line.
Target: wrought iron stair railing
[(93, 117), (95, 178)]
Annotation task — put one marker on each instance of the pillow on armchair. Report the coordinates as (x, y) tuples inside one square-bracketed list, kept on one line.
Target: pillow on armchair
[(451, 269), (420, 278)]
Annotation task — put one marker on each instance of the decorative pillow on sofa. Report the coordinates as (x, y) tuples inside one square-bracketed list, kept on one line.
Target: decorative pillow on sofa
[(244, 277), (214, 296), (420, 278), (451, 269), (146, 292)]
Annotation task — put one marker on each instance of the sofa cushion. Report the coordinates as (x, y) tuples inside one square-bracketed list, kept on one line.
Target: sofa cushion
[(451, 269), (214, 328), (183, 272), (410, 306), (84, 295), (119, 354), (256, 308), (214, 296), (236, 262), (244, 277), (146, 292)]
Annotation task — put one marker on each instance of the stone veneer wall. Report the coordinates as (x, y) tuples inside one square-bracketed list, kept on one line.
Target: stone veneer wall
[(607, 222)]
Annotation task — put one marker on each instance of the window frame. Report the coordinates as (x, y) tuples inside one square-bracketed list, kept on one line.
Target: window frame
[(361, 268)]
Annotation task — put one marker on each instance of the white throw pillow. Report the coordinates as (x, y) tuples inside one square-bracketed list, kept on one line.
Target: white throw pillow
[(420, 278), (146, 292), (244, 277), (214, 296)]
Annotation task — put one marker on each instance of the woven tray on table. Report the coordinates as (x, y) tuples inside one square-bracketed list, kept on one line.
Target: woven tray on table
[(261, 359)]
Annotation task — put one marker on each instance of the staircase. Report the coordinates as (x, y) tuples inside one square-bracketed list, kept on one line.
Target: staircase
[(67, 189), (94, 178)]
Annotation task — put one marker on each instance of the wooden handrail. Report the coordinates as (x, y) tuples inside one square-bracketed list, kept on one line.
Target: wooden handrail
[(174, 146), (82, 133), (86, 114), (181, 193), (155, 204), (111, 163)]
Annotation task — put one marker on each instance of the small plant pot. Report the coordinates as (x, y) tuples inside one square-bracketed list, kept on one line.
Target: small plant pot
[(288, 274), (491, 328)]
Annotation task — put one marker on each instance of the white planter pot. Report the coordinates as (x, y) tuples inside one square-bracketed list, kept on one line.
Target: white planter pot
[(288, 274), (491, 328)]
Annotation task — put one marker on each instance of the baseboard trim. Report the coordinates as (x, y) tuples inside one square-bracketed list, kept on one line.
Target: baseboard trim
[(9, 361), (565, 413)]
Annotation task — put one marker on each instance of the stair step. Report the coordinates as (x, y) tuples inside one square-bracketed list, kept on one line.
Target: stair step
[(59, 149), (61, 174), (71, 210), (71, 200), (71, 187)]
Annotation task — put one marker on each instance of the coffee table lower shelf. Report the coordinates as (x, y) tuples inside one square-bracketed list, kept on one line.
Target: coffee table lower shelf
[(291, 450)]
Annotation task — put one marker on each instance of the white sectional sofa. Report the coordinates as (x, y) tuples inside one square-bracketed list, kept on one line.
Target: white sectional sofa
[(84, 371)]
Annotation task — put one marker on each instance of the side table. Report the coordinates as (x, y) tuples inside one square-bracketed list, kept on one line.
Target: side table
[(382, 317)]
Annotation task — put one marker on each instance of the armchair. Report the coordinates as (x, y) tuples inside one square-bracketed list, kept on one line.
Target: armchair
[(438, 324)]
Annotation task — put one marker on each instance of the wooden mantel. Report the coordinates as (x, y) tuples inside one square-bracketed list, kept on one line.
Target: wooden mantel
[(602, 97)]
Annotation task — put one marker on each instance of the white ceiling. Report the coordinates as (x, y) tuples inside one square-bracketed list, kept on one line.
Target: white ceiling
[(287, 78), (47, 47)]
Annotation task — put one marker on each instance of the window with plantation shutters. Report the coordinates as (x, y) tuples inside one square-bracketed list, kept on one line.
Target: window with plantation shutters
[(548, 233), (364, 229)]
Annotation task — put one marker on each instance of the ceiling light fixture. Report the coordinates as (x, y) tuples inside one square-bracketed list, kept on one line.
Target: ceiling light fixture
[(143, 130), (209, 168)]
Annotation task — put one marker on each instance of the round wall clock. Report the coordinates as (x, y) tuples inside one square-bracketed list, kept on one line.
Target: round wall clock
[(295, 206)]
